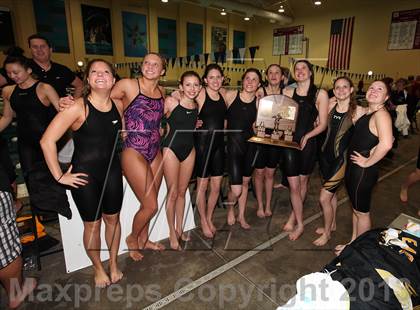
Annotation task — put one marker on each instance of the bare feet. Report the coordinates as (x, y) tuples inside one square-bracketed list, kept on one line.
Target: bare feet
[(231, 217), (260, 213), (155, 246), (339, 248), (212, 227), (322, 240), (296, 233), (404, 194), (133, 248), (290, 225), (244, 224), (116, 275), (320, 230), (268, 213), (205, 227), (101, 279), (174, 243), (185, 236), (28, 286)]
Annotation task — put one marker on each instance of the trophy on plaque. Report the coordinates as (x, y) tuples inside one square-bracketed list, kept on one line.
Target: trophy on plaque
[(288, 135), (277, 133), (261, 130), (278, 113)]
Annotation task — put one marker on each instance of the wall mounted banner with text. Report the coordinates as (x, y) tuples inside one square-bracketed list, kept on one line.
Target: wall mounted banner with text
[(404, 33), (288, 41)]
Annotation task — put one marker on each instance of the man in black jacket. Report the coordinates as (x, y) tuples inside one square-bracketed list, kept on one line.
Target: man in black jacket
[(58, 76)]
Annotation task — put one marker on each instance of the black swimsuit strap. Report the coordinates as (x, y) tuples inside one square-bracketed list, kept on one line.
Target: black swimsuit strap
[(140, 93), (138, 83), (161, 92), (29, 88), (208, 96)]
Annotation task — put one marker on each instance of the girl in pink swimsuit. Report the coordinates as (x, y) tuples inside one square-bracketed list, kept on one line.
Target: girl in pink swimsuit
[(141, 159), (142, 122)]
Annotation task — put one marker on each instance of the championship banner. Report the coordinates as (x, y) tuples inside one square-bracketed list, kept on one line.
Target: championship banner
[(288, 41), (404, 33)]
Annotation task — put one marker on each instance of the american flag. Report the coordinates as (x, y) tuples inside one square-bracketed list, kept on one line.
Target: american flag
[(340, 43)]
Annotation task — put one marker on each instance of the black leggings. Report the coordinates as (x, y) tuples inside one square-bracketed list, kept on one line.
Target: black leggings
[(298, 162), (241, 160), (6, 162), (268, 156), (30, 156), (359, 183), (210, 155), (103, 193)]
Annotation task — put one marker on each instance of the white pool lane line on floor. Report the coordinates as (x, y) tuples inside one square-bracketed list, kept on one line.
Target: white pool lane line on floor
[(247, 255)]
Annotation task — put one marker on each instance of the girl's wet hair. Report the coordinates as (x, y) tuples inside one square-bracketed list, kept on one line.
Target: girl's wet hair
[(15, 56), (187, 74), (210, 67), (268, 68), (387, 86), (162, 59), (312, 91), (274, 65), (310, 67), (86, 86), (254, 70), (353, 102)]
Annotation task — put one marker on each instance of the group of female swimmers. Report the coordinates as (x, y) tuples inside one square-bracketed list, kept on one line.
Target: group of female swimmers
[(197, 118)]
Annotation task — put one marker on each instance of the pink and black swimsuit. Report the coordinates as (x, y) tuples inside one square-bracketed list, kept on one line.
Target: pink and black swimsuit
[(142, 123)]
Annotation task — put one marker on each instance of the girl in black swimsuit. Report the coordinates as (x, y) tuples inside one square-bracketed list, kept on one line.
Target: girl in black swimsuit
[(179, 152), (241, 116), (210, 145), (298, 164), (343, 111), (268, 155), (95, 175), (371, 140), (29, 100)]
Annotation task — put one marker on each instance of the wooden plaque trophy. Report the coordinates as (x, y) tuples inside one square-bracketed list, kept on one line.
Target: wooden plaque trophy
[(276, 121)]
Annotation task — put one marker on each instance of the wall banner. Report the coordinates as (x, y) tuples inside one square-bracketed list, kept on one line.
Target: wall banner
[(404, 33), (288, 41)]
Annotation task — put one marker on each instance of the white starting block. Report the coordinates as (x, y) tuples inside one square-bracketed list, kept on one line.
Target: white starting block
[(72, 230)]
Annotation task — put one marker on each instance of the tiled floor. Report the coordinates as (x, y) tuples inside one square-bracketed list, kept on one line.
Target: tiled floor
[(227, 274)]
